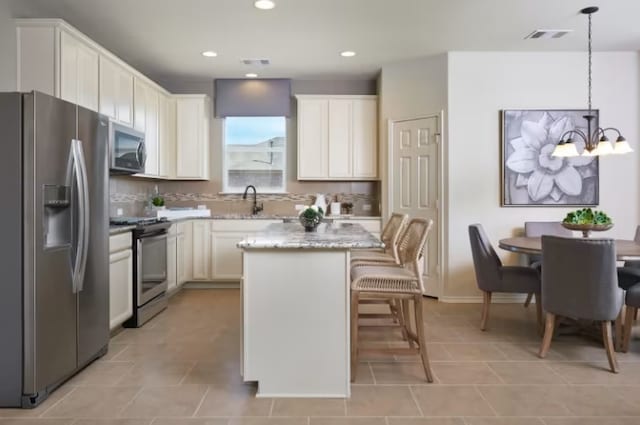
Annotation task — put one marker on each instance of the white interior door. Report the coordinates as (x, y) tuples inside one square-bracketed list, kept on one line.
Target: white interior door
[(414, 181)]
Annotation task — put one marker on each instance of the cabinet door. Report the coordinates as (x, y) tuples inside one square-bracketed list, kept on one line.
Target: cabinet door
[(172, 273), (166, 136), (139, 105), (78, 72), (365, 146), (151, 139), (201, 257), (116, 91), (340, 136), (191, 151), (120, 287), (313, 139), (226, 257)]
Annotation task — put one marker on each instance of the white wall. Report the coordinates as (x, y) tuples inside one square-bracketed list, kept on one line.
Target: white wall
[(7, 49), (409, 89), (480, 84)]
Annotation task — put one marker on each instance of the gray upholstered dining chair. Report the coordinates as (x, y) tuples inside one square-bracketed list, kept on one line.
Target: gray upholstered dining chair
[(579, 281), (629, 275), (632, 300), (492, 276), (535, 229)]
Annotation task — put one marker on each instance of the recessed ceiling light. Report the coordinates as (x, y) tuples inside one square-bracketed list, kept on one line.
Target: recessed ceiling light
[(209, 54), (348, 54), (251, 75), (264, 4)]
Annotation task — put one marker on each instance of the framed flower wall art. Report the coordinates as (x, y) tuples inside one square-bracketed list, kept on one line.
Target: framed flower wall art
[(530, 175)]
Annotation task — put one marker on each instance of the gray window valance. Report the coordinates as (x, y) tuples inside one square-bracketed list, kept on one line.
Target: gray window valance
[(246, 98)]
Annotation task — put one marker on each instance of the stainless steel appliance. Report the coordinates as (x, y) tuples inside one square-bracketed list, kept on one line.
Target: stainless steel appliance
[(149, 268), (54, 308), (128, 152)]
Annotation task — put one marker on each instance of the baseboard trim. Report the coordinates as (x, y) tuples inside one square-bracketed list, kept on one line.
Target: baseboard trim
[(212, 285), (495, 298)]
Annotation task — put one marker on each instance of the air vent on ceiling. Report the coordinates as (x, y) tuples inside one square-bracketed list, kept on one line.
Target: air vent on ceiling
[(548, 34), (256, 62)]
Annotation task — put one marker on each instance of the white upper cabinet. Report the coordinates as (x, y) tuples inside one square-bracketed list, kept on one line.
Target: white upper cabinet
[(78, 72), (145, 119), (313, 138), (193, 118), (337, 137), (53, 60), (166, 136), (116, 91)]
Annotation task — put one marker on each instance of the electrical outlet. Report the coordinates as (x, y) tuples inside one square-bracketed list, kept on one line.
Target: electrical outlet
[(119, 212), (366, 207)]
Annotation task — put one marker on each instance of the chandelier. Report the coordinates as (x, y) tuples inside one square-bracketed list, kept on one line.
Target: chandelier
[(595, 139)]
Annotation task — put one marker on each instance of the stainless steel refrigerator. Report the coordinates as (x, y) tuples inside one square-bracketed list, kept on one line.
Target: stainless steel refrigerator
[(54, 263)]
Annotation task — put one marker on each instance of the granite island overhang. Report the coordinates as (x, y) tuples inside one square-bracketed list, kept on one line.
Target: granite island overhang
[(295, 293)]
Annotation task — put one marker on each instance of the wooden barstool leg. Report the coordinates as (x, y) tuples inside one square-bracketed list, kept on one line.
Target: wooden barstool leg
[(549, 327), (486, 297), (406, 321), (354, 334), (608, 345), (628, 326), (417, 304)]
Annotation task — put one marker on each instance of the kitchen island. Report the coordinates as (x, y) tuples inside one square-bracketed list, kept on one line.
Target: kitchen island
[(295, 308)]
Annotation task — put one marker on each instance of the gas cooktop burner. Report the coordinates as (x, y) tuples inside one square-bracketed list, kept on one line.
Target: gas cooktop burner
[(139, 221)]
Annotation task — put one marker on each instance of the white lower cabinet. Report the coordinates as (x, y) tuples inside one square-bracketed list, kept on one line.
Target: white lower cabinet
[(120, 279), (172, 259), (201, 252), (184, 252)]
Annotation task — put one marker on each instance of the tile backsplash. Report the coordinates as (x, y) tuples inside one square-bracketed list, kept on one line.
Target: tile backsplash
[(132, 196)]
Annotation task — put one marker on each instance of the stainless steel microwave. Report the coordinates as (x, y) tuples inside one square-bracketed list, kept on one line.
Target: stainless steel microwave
[(128, 153)]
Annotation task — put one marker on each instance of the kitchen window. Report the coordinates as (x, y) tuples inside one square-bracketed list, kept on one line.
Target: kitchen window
[(254, 152)]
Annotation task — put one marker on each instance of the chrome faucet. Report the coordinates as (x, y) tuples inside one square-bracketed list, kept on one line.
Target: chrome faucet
[(256, 208)]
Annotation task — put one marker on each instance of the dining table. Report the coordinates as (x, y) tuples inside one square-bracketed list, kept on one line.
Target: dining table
[(626, 250)]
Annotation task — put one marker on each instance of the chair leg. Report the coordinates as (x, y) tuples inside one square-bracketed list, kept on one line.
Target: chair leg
[(417, 303), (608, 345), (619, 333), (528, 300), (405, 321), (354, 334), (539, 314), (628, 325), (486, 297), (549, 327)]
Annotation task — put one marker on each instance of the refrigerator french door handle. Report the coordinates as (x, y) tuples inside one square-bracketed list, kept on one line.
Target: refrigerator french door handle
[(85, 214), (74, 177)]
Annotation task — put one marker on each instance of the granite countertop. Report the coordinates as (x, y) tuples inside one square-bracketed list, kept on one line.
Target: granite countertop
[(327, 236), (271, 217)]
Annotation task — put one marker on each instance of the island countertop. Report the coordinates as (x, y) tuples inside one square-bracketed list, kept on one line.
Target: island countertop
[(327, 236)]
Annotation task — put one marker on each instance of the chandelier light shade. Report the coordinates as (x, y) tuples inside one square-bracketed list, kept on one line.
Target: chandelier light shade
[(595, 140)]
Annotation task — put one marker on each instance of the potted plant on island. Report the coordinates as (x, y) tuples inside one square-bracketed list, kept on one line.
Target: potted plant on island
[(310, 217)]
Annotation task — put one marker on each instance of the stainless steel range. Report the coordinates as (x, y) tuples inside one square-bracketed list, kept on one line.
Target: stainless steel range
[(149, 267)]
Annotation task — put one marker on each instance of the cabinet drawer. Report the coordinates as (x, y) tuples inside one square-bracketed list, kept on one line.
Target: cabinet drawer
[(182, 227), (173, 230), (120, 242)]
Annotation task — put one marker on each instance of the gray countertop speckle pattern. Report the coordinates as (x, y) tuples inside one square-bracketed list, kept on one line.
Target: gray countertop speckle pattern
[(327, 236)]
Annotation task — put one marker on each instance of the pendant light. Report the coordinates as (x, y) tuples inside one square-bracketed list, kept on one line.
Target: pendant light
[(595, 139)]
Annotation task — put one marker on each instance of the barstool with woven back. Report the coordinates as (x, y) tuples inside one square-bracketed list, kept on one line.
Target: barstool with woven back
[(401, 282)]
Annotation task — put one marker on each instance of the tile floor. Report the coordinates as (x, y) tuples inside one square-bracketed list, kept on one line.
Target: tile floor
[(183, 368)]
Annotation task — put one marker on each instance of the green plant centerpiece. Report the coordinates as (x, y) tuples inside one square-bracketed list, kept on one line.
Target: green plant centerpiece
[(310, 217), (587, 220)]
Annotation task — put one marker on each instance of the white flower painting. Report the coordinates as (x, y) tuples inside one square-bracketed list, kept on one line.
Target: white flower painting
[(531, 176)]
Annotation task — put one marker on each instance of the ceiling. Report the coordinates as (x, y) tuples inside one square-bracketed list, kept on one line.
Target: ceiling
[(303, 38)]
